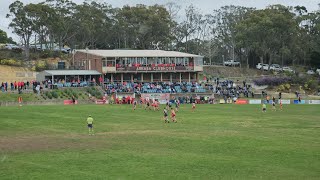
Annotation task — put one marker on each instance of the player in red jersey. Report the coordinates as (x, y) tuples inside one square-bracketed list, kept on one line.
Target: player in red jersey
[(173, 115), (193, 106)]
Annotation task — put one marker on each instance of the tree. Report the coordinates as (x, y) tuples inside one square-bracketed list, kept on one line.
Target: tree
[(224, 22), (21, 24), (268, 32), (4, 38), (142, 27)]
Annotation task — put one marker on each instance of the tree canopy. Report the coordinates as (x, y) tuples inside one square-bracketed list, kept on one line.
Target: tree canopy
[(276, 34)]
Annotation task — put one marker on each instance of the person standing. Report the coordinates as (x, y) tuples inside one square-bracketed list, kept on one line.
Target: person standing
[(264, 108), (90, 125), (173, 115)]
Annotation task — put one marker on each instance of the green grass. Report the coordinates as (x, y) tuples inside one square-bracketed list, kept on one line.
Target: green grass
[(215, 142)]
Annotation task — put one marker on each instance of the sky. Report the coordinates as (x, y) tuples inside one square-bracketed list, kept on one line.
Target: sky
[(206, 6)]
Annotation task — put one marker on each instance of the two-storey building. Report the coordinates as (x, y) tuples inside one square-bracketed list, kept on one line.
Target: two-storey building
[(140, 65)]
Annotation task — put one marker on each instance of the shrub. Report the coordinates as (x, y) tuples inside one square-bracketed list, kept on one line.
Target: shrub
[(49, 95), (75, 95), (54, 94), (11, 62), (271, 81), (41, 65)]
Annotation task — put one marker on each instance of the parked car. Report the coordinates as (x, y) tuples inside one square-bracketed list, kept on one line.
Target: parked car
[(265, 67), (231, 63), (275, 67), (318, 71), (64, 50), (288, 69), (310, 72), (11, 46), (259, 66)]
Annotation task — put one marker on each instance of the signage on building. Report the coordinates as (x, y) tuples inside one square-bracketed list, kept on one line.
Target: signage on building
[(161, 97), (157, 68)]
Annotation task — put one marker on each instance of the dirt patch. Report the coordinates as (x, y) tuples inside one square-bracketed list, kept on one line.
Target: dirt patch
[(43, 142)]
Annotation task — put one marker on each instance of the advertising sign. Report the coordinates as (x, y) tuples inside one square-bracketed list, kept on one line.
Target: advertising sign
[(284, 101), (101, 101), (314, 102), (156, 68), (69, 102), (266, 102), (255, 101), (162, 98), (222, 101), (297, 101), (241, 101)]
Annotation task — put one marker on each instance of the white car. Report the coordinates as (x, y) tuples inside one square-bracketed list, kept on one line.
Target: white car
[(275, 67), (11, 46), (310, 72), (318, 71), (259, 66), (231, 63), (265, 67), (288, 69)]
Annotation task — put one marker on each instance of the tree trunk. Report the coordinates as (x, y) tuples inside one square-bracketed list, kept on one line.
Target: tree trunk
[(261, 61), (270, 61)]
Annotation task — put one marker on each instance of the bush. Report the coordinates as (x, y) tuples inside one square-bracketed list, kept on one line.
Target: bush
[(271, 81), (11, 62), (311, 85), (54, 94), (41, 65)]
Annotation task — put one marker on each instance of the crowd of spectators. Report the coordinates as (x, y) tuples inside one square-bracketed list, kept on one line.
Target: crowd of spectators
[(155, 87), (151, 65), (230, 89), (20, 86)]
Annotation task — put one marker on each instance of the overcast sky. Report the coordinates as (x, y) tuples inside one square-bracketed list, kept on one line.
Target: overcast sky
[(206, 6)]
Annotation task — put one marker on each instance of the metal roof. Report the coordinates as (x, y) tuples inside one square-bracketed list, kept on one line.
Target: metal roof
[(137, 53), (70, 72)]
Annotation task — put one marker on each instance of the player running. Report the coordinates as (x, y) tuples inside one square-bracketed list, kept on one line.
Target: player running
[(165, 115), (147, 105), (177, 105), (273, 105), (167, 105), (134, 105), (173, 115), (280, 105), (157, 105), (193, 106)]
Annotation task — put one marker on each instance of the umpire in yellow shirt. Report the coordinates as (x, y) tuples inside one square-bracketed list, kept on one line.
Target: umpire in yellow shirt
[(90, 125)]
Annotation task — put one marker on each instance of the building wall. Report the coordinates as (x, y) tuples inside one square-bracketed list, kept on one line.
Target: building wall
[(95, 61)]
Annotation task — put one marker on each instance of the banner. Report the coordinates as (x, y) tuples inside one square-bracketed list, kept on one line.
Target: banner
[(101, 101), (284, 101), (68, 102), (229, 101), (314, 102), (241, 101), (266, 102), (255, 101), (297, 101), (156, 68), (161, 97)]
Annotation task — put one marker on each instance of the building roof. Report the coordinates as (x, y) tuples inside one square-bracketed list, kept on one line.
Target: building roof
[(70, 72), (137, 53)]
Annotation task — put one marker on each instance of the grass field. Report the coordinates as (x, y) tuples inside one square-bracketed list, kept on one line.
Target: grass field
[(215, 142)]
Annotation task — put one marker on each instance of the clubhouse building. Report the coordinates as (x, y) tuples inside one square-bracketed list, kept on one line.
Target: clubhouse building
[(140, 65)]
